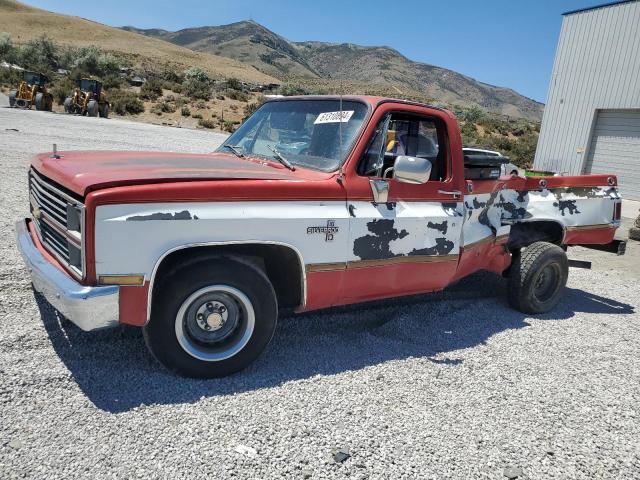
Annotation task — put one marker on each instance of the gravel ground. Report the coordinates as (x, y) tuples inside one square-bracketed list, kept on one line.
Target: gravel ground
[(450, 385)]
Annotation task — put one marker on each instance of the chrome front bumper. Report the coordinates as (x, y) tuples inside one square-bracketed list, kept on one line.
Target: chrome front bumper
[(90, 308)]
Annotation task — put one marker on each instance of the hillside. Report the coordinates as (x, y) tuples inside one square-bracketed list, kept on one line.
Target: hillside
[(24, 23), (324, 64)]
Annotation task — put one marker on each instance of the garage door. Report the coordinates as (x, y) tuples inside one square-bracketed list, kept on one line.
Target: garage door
[(615, 148)]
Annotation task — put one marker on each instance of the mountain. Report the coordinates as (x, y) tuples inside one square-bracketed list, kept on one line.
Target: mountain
[(24, 22), (251, 43)]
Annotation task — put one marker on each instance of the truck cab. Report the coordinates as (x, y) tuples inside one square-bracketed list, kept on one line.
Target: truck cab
[(312, 202)]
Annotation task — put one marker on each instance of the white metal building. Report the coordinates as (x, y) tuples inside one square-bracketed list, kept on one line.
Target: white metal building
[(591, 123)]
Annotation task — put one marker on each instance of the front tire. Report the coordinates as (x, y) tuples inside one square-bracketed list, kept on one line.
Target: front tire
[(211, 317), (92, 108), (12, 98), (537, 278), (39, 101)]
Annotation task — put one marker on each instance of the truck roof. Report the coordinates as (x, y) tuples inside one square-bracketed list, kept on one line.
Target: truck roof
[(372, 100)]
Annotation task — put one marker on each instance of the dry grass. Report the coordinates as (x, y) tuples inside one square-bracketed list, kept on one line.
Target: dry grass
[(24, 23)]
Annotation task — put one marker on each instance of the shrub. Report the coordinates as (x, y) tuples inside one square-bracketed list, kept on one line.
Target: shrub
[(167, 107), (206, 123), (151, 90), (228, 126), (196, 115), (124, 102), (112, 81), (7, 51), (62, 89), (234, 84), (472, 114), (201, 104), (185, 112), (237, 95), (39, 54), (197, 84)]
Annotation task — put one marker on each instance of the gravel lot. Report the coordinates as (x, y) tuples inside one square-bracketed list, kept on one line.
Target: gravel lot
[(450, 385)]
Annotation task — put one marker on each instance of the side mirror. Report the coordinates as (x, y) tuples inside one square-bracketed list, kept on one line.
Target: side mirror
[(414, 170)]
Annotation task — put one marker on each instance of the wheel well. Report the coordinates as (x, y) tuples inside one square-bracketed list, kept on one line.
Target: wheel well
[(282, 265), (526, 233)]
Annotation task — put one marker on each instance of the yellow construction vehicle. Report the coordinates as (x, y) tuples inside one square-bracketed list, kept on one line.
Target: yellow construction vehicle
[(32, 91), (88, 99)]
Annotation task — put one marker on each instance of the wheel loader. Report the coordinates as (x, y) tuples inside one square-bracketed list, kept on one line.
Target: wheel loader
[(88, 99), (32, 92)]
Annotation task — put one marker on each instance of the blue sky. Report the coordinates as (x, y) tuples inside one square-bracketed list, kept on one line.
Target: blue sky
[(509, 43)]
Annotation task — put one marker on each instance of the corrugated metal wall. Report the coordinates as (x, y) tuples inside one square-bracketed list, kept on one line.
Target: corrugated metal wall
[(597, 66)]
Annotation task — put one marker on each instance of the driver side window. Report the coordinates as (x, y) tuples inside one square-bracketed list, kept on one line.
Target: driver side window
[(402, 134)]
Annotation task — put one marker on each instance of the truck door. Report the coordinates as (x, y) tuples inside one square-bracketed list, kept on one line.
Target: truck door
[(409, 242)]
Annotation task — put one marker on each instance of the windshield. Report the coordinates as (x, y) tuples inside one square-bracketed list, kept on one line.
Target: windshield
[(308, 133), (33, 78), (88, 85)]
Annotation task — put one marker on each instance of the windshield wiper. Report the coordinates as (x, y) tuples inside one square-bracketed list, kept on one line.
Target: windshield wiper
[(281, 159), (235, 150)]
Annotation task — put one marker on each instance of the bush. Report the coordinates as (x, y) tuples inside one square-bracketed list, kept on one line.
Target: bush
[(62, 89), (90, 59), (237, 95), (112, 81), (206, 123), (228, 126), (151, 90), (10, 77), (185, 112), (472, 114), (124, 102), (234, 84), (196, 115), (7, 51), (167, 107), (39, 54), (197, 84)]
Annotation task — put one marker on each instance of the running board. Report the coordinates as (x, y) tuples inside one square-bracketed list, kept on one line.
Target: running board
[(619, 247), (580, 264)]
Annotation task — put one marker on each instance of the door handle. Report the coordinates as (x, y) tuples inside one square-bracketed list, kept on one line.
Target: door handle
[(454, 193)]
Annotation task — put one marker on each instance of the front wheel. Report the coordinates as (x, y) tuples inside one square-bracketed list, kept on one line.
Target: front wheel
[(537, 277), (211, 317), (39, 101), (92, 108), (12, 98)]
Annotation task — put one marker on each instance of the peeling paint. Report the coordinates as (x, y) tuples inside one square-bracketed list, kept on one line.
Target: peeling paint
[(442, 247), (441, 227), (563, 205), (376, 246), (183, 215)]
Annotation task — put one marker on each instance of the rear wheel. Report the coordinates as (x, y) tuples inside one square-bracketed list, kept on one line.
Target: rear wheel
[(537, 278), (12, 98), (92, 108), (104, 110), (211, 317), (48, 102), (39, 101), (67, 105)]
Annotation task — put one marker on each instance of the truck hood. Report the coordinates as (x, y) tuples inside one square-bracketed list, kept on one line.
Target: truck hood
[(85, 171)]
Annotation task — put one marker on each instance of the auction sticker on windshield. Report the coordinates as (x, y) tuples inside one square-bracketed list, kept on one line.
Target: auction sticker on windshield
[(334, 117)]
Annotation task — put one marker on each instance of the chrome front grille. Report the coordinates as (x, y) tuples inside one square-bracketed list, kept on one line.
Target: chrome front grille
[(59, 220)]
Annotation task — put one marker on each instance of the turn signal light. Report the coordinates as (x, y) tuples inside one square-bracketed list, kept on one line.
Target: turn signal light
[(617, 211)]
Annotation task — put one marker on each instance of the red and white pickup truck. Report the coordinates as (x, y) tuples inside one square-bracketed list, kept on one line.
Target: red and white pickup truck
[(312, 202)]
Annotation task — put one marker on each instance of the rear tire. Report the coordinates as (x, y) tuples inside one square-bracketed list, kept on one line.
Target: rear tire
[(189, 333), (104, 110), (12, 98), (67, 105), (92, 108), (39, 101), (537, 278)]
